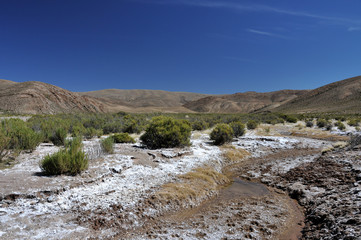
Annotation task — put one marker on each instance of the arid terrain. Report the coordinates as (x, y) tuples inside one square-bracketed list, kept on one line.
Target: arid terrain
[(268, 184), (244, 102), (42, 98)]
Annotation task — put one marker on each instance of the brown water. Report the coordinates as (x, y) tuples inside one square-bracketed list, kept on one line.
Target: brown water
[(240, 188)]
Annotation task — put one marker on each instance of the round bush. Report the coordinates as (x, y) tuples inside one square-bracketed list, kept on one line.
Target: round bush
[(199, 125), (166, 132), (291, 119), (252, 124), (221, 134), (123, 138), (322, 123), (341, 126), (309, 124), (238, 128)]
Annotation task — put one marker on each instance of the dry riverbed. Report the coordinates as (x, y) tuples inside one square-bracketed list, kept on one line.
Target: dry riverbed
[(192, 193)]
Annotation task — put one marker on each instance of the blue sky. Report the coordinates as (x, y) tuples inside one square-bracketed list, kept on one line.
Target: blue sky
[(205, 46)]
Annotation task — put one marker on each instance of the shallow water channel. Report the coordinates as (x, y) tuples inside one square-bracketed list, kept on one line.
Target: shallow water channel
[(242, 210)]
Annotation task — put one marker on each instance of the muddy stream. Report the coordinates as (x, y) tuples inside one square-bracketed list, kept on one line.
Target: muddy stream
[(242, 210)]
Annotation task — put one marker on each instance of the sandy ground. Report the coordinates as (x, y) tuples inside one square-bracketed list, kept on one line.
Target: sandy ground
[(116, 197)]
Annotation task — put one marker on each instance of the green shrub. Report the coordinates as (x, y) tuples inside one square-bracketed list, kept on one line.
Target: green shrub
[(199, 125), (131, 125), (309, 124), (59, 137), (340, 126), (322, 123), (90, 133), (4, 145), (21, 136), (70, 160), (252, 124), (341, 118), (165, 132), (221, 134), (113, 127), (108, 145), (291, 119), (77, 130), (354, 122), (238, 128), (123, 138)]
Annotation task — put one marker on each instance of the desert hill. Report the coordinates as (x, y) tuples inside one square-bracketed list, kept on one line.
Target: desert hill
[(6, 83), (342, 96), (145, 98), (43, 98), (243, 102)]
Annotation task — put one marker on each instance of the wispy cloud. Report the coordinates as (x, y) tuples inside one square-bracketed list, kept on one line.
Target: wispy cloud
[(257, 8), (269, 34), (354, 29)]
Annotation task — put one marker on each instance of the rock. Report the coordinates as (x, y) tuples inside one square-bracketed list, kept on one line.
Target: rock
[(119, 170), (297, 190), (169, 154)]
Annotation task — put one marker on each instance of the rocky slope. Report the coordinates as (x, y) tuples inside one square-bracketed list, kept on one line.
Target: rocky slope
[(6, 83), (43, 98), (243, 102), (342, 96), (145, 98)]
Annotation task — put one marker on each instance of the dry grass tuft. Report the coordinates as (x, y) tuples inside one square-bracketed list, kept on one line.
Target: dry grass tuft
[(267, 130), (233, 154), (340, 144), (179, 191), (318, 134), (194, 185)]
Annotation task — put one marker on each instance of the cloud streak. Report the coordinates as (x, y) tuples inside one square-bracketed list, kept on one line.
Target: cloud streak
[(257, 8), (269, 34), (354, 29)]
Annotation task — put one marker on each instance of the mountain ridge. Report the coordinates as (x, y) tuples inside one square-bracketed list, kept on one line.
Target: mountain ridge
[(42, 98), (341, 96)]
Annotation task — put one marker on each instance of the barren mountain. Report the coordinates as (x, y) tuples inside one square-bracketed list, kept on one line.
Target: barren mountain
[(145, 98), (43, 98), (243, 102), (342, 96), (6, 83), (37, 97)]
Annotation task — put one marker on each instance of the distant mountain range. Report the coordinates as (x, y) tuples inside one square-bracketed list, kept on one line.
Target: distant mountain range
[(42, 98)]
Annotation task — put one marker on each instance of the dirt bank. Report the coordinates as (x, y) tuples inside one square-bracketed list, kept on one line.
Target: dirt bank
[(327, 186)]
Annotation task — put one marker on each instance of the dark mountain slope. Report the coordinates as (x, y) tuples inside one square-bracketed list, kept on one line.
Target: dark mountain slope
[(342, 96), (43, 98)]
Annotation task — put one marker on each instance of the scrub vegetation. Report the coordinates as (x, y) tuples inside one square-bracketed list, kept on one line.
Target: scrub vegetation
[(107, 145), (166, 132), (160, 129), (70, 160), (221, 134)]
